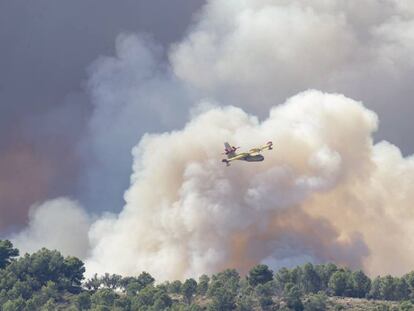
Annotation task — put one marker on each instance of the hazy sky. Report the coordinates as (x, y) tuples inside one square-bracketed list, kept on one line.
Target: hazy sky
[(45, 49)]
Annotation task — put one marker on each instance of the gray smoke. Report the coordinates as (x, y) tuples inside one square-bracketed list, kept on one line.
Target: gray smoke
[(132, 92), (326, 193)]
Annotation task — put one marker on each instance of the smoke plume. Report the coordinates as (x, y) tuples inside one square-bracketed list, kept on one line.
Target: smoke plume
[(56, 224), (326, 193), (253, 53), (132, 92), (329, 191)]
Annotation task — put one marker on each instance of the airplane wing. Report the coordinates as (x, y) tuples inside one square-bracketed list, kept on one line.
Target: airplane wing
[(268, 146), (255, 151), (239, 156)]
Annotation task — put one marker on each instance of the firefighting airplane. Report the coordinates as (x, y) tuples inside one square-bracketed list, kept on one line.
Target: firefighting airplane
[(252, 156)]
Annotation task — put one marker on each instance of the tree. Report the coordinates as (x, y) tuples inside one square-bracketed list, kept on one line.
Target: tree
[(264, 294), (223, 289), (228, 278), (402, 289), (246, 302), (260, 274), (145, 279), (146, 297), (93, 283), (73, 270), (45, 265), (43, 274), (103, 297), (292, 297), (20, 289), (361, 284), (222, 298), (296, 275), (121, 303), (188, 289), (14, 305), (283, 277), (133, 288), (387, 288), (82, 301), (7, 253), (50, 291), (50, 305), (175, 287), (409, 278), (338, 283), (325, 272), (310, 280), (202, 286), (111, 281), (375, 291), (161, 300)]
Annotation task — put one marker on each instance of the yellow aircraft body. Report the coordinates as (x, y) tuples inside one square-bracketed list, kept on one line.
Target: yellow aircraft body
[(254, 155)]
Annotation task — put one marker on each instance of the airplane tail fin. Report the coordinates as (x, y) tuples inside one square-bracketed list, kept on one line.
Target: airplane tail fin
[(229, 151)]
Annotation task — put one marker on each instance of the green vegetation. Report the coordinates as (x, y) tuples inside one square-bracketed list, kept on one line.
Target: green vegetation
[(45, 280)]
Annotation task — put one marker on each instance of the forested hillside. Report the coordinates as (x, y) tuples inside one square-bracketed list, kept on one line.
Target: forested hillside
[(46, 280)]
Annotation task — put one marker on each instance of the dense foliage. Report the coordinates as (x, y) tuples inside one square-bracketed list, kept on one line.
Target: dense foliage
[(45, 280)]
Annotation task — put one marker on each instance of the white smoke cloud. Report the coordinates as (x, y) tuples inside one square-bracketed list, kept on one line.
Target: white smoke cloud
[(56, 224), (187, 214), (253, 53)]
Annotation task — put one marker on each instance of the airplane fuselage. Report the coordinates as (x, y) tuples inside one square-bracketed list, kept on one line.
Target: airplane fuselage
[(253, 158)]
